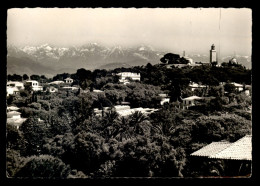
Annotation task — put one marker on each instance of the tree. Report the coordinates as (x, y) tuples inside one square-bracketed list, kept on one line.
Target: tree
[(230, 88), (14, 162), (229, 127), (170, 58), (43, 166), (216, 91), (35, 77), (14, 138), (34, 133), (25, 77), (89, 153)]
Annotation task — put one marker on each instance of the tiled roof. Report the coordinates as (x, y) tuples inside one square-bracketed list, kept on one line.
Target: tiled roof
[(211, 149), (239, 150)]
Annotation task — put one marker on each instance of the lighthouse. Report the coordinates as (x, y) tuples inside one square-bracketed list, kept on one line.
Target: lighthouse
[(213, 54)]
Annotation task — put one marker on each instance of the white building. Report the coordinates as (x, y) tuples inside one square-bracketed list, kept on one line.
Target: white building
[(35, 85), (13, 114), (12, 91), (238, 86), (164, 98), (190, 101), (14, 87), (195, 86), (68, 80), (14, 118), (17, 84), (124, 75)]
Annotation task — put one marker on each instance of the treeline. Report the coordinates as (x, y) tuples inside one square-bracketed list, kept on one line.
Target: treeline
[(171, 80)]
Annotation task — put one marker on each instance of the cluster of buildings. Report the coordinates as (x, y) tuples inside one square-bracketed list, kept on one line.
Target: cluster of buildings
[(192, 100), (14, 87), (126, 77), (124, 110)]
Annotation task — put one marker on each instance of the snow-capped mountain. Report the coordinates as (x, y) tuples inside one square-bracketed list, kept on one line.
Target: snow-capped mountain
[(89, 56), (46, 57)]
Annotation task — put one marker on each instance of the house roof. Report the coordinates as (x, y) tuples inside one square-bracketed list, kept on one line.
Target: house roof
[(12, 108), (56, 82), (211, 149), (237, 85), (17, 83), (192, 98), (239, 150), (12, 113), (31, 81), (163, 95), (196, 85)]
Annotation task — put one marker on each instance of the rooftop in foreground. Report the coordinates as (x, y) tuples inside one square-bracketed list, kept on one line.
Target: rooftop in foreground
[(239, 150)]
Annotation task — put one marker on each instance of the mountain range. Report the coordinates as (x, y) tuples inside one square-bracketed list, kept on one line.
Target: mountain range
[(51, 60)]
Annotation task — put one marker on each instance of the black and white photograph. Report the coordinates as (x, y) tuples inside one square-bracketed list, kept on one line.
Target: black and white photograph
[(95, 93)]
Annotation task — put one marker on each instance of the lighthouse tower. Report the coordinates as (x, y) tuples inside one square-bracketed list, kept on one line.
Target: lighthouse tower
[(213, 54)]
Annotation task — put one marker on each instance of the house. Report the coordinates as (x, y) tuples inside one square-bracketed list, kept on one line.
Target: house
[(190, 101), (68, 80), (237, 156), (13, 114), (14, 87), (14, 117), (195, 86), (12, 91), (164, 98), (35, 85), (238, 87), (17, 84), (123, 77)]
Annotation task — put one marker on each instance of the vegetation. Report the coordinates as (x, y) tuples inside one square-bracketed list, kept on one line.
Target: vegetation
[(63, 138)]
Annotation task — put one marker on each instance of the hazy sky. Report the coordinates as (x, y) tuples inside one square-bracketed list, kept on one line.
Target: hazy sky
[(171, 29)]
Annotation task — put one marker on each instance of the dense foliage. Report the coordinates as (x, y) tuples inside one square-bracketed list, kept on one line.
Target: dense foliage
[(63, 138)]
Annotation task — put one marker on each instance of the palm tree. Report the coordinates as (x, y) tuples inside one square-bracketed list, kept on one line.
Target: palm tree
[(137, 124), (123, 129), (110, 120)]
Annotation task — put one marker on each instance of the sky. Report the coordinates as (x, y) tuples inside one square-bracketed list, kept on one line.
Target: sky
[(171, 29)]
